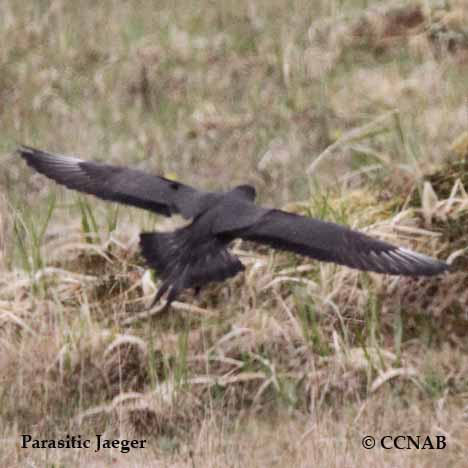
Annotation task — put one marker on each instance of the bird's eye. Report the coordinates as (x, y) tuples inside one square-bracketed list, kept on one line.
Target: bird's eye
[(174, 186)]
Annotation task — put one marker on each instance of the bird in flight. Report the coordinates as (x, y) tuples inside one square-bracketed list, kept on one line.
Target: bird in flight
[(197, 254)]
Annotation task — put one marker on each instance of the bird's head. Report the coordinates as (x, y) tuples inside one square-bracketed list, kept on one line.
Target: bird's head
[(247, 192)]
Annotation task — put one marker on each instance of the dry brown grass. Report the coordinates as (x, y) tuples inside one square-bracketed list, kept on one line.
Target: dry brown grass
[(359, 114)]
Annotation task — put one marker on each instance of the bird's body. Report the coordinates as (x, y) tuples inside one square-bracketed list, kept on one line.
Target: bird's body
[(197, 254)]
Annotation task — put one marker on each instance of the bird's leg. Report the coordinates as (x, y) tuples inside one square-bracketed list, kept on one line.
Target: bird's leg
[(196, 291), (163, 288)]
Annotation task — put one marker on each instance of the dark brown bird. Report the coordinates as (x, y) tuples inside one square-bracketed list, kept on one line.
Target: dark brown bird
[(198, 254)]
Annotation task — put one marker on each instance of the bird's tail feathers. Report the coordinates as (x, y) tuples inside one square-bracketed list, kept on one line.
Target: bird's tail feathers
[(183, 264), (158, 248)]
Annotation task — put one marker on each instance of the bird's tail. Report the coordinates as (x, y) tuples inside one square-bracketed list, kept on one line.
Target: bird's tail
[(183, 264)]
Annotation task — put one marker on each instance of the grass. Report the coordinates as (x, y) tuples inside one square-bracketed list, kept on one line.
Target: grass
[(349, 111)]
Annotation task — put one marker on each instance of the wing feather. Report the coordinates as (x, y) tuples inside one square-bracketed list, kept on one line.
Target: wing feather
[(332, 242), (119, 184)]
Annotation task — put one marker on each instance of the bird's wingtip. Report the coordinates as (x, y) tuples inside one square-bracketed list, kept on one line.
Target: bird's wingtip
[(428, 265), (24, 150)]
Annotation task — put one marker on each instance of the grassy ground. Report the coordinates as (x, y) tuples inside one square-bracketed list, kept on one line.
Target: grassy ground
[(344, 110)]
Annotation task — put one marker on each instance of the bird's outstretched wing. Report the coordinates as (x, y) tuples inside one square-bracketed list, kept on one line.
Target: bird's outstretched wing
[(119, 184), (332, 242)]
